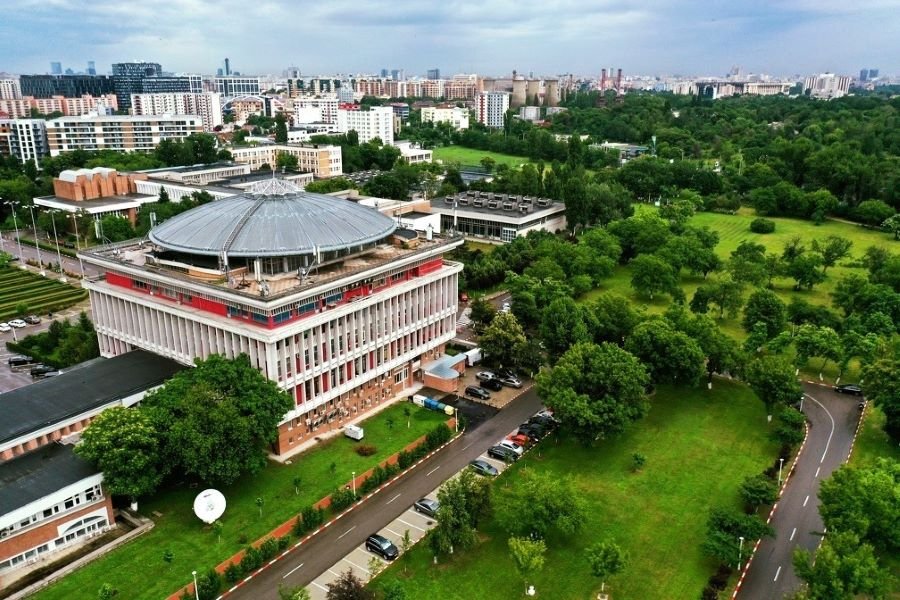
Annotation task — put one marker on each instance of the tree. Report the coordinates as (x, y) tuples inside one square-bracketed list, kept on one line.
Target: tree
[(833, 249), (297, 481), (540, 504), (883, 387), (115, 229), (727, 294), (724, 530), (281, 130), (758, 490), (482, 312), (107, 592), (463, 502), (217, 419), (892, 225), (669, 355), (503, 339), (488, 163), (595, 390), (286, 161), (823, 342), (605, 560), (804, 269), (843, 568), (772, 380), (293, 592), (614, 318), (651, 274), (564, 323), (873, 212), (527, 555), (163, 195), (123, 443), (748, 263), (393, 590), (764, 306), (348, 587)]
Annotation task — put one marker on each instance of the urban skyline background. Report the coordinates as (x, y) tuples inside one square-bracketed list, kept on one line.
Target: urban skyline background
[(655, 37)]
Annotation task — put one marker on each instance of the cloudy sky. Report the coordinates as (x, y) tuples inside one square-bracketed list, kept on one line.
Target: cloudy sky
[(704, 37)]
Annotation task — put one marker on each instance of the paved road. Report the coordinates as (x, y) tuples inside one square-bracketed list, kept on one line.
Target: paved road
[(305, 563), (833, 418), (30, 252)]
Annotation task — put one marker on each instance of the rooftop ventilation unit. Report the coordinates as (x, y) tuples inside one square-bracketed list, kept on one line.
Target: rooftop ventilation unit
[(449, 199), (463, 201), (524, 208), (493, 204), (509, 205), (543, 202), (478, 202), (490, 195)]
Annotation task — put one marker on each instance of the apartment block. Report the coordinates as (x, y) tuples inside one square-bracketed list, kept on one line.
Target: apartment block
[(377, 122), (25, 139), (10, 89), (123, 133), (456, 116), (21, 108), (491, 107), (207, 106), (321, 160)]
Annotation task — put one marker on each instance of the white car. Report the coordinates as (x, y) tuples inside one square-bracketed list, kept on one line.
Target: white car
[(4, 327), (511, 445), (18, 323), (506, 307)]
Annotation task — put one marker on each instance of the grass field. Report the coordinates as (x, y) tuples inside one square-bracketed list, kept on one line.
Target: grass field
[(138, 570), (470, 156), (699, 446), (39, 294)]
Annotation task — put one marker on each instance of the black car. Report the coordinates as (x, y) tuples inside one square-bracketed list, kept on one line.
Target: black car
[(532, 432), (40, 370), (542, 421), (382, 546), (538, 426), (477, 392), (502, 453), (20, 360), (849, 388), (427, 507), (492, 384), (32, 319), (482, 467)]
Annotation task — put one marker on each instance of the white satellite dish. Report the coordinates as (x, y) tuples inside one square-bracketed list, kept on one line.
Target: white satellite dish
[(209, 505)]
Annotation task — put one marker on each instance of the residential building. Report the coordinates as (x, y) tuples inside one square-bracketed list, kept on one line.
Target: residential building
[(412, 153), (21, 108), (319, 292), (10, 88), (25, 139), (123, 133), (68, 86), (456, 116), (498, 217), (323, 161), (377, 122), (491, 107), (243, 107), (316, 109), (401, 110), (190, 84), (128, 79), (207, 106), (237, 86), (52, 501), (827, 85)]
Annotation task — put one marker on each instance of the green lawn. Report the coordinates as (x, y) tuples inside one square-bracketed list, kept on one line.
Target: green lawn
[(137, 569), (699, 446), (39, 294), (470, 156)]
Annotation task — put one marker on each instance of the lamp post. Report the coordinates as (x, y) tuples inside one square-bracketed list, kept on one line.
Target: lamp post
[(740, 551), (74, 217), (36, 245), (353, 483), (62, 270), (196, 591), (12, 205), (2, 245), (780, 466)]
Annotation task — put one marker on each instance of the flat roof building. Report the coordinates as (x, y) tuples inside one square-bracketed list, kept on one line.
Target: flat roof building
[(68, 86), (377, 122), (207, 106), (116, 132), (498, 217), (323, 161)]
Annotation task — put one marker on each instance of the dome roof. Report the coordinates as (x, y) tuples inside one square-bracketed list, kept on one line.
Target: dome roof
[(274, 218)]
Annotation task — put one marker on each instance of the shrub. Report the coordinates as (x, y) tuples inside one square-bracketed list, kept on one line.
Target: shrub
[(233, 573), (283, 543), (242, 539), (404, 459), (268, 549), (761, 225), (366, 450), (637, 461), (252, 560), (437, 436), (790, 428), (758, 490), (313, 517), (209, 585), (342, 498)]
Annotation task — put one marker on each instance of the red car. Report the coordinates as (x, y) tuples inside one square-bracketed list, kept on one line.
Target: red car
[(520, 439)]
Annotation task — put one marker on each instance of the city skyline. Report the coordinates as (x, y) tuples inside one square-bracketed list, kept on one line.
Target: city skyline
[(659, 36)]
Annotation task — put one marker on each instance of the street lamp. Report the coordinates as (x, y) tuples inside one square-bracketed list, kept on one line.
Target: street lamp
[(12, 205), (62, 269), (196, 591), (2, 245), (37, 246), (780, 465), (74, 217), (353, 483), (740, 551)]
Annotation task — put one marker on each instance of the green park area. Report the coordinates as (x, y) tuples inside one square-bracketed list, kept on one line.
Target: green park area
[(140, 569), (472, 156), (699, 446), (23, 292)]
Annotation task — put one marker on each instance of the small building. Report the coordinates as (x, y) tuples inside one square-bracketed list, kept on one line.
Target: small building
[(99, 192), (413, 154), (444, 373), (498, 217)]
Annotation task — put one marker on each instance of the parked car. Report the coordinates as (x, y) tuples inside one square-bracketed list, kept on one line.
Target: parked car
[(18, 323), (506, 307), (545, 422), (19, 360), (477, 392), (491, 384), (52, 374), (511, 381), (511, 445), (4, 327), (483, 467), (32, 319), (427, 507), (502, 453), (531, 432), (40, 370), (485, 376), (849, 388), (861, 406), (520, 439), (382, 546), (547, 413)]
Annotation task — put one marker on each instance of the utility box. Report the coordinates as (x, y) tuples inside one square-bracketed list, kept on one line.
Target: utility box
[(354, 432)]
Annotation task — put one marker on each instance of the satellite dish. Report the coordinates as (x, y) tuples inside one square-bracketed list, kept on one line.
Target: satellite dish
[(209, 505)]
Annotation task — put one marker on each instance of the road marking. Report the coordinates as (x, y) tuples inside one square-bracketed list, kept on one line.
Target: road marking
[(467, 447), (394, 532), (333, 573), (355, 565), (817, 473), (346, 532), (411, 525), (792, 534), (432, 471), (828, 443), (392, 499), (777, 573), (806, 500), (291, 571), (321, 587)]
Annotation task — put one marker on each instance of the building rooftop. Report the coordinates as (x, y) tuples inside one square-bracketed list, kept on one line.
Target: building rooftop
[(39, 473), (104, 204), (506, 206), (76, 391)]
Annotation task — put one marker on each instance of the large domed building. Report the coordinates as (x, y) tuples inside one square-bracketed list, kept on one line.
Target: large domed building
[(327, 297)]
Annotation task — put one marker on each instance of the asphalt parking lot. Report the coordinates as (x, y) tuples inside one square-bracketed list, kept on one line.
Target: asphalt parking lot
[(498, 399)]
